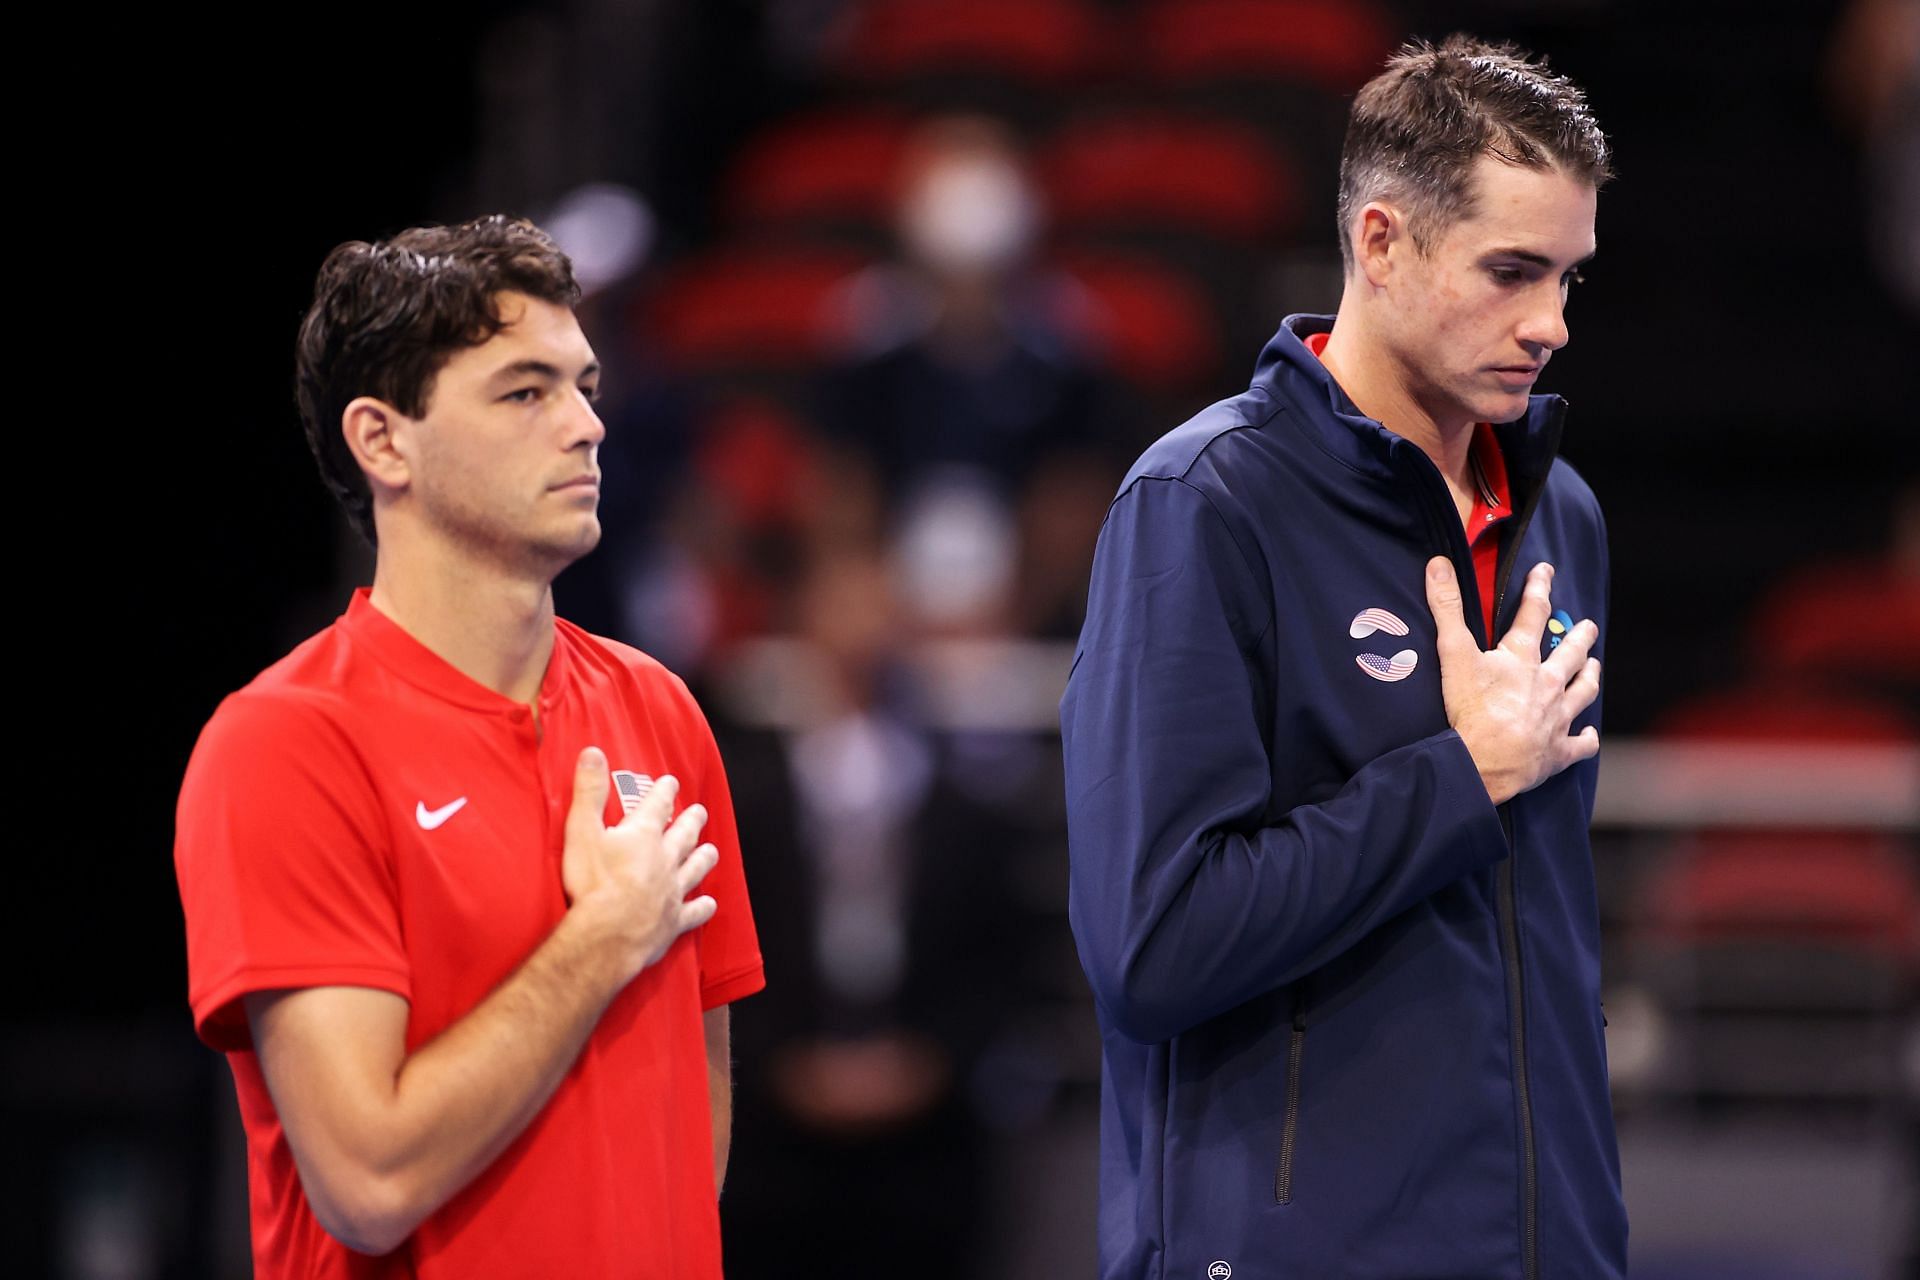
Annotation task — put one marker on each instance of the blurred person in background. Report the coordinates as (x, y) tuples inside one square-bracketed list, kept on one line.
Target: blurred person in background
[(1331, 878), (1873, 76), (475, 1012), (972, 389), (860, 1152)]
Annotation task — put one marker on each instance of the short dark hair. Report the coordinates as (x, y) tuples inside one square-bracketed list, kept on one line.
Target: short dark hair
[(386, 317), (1418, 127)]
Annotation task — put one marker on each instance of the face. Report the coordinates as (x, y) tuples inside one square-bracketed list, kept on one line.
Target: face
[(1477, 317), (504, 460)]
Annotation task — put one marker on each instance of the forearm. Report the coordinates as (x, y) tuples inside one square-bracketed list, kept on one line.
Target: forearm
[(720, 1089), (1173, 935), (460, 1099), (406, 1140)]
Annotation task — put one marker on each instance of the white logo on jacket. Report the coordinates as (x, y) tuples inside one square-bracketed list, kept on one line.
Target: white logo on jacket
[(1401, 664)]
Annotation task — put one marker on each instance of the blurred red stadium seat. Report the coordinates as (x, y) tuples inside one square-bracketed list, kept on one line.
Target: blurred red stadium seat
[(1772, 713), (832, 166), (1859, 888), (1850, 888), (757, 308), (1843, 620), (1155, 327), (1148, 170), (1335, 44), (759, 459), (1039, 41)]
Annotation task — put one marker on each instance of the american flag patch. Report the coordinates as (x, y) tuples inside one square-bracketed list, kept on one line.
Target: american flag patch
[(631, 787), (1368, 621), (1398, 667)]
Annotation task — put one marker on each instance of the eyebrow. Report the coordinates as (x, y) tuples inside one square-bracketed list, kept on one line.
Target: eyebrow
[(1537, 259), (538, 369)]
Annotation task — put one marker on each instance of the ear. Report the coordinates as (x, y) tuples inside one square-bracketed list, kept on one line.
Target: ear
[(1379, 231), (376, 434)]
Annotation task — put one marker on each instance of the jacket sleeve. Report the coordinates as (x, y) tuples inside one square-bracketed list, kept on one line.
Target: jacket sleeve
[(1185, 899)]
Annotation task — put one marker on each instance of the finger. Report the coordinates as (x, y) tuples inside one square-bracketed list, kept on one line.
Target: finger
[(1568, 659), (657, 806), (1453, 640), (679, 839), (696, 912), (1581, 693), (695, 868), (1536, 606), (1583, 745), (590, 786)]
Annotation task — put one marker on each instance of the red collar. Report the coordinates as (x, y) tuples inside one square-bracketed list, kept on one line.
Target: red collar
[(421, 667)]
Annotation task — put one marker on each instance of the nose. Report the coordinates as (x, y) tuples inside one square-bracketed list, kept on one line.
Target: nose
[(1545, 324), (583, 422)]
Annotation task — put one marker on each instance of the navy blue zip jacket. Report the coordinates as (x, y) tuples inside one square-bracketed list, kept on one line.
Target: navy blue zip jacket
[(1350, 1009)]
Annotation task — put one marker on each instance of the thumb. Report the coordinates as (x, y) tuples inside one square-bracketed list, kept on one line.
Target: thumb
[(590, 787), (1443, 598)]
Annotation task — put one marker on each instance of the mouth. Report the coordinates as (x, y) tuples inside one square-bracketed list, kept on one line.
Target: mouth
[(579, 485), (1518, 375)]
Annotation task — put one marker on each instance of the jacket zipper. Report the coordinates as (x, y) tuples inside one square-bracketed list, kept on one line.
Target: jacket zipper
[(1517, 1022), (1509, 922), (1289, 1132), (1510, 928)]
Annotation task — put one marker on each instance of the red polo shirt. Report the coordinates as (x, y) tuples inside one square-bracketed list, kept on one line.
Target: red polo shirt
[(1492, 501), (363, 814)]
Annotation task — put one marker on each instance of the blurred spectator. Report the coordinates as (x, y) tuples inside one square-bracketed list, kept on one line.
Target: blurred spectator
[(1873, 74), (857, 1151), (967, 374)]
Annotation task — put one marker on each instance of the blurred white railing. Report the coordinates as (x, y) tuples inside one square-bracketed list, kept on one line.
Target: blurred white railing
[(1015, 685)]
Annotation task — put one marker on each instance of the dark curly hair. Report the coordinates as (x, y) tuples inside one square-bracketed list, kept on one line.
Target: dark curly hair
[(1418, 127), (386, 317)]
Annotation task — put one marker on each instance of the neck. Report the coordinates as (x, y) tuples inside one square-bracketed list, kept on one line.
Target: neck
[(494, 627), (1383, 390)]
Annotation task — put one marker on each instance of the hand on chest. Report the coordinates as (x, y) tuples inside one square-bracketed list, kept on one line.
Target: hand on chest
[(477, 811), (1356, 672)]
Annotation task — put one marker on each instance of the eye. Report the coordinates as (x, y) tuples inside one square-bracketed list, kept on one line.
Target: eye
[(1506, 275), (1572, 277), (525, 395), (591, 394)]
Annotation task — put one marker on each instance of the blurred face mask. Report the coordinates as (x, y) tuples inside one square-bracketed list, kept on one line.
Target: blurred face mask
[(969, 214)]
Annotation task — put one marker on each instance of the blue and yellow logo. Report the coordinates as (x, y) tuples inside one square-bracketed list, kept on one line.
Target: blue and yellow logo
[(1557, 627)]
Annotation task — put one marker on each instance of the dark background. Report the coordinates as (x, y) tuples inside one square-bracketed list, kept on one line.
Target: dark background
[(1742, 389)]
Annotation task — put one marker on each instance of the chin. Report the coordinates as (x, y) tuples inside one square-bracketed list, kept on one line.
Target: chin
[(563, 548), (1503, 408)]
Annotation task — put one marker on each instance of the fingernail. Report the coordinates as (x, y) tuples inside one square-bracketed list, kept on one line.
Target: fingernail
[(1549, 569), (1439, 571)]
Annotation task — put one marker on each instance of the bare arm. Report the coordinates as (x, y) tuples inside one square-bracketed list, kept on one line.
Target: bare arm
[(720, 1088), (383, 1138)]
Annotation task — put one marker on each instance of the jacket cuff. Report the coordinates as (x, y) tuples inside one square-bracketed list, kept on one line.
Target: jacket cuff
[(1465, 796)]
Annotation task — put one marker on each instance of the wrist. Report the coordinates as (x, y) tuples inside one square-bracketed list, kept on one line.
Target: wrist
[(591, 940)]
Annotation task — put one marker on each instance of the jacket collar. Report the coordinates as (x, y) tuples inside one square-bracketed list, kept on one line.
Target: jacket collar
[(1293, 375)]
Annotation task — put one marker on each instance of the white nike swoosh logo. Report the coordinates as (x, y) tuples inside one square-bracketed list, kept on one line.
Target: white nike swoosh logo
[(431, 818)]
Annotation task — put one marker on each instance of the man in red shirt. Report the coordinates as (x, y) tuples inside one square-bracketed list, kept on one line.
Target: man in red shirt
[(437, 898)]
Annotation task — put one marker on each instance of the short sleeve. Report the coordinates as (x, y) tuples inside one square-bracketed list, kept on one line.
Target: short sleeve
[(729, 946), (284, 862)]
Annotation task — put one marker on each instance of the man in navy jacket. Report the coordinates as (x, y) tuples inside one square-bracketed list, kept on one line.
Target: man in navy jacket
[(1331, 880)]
